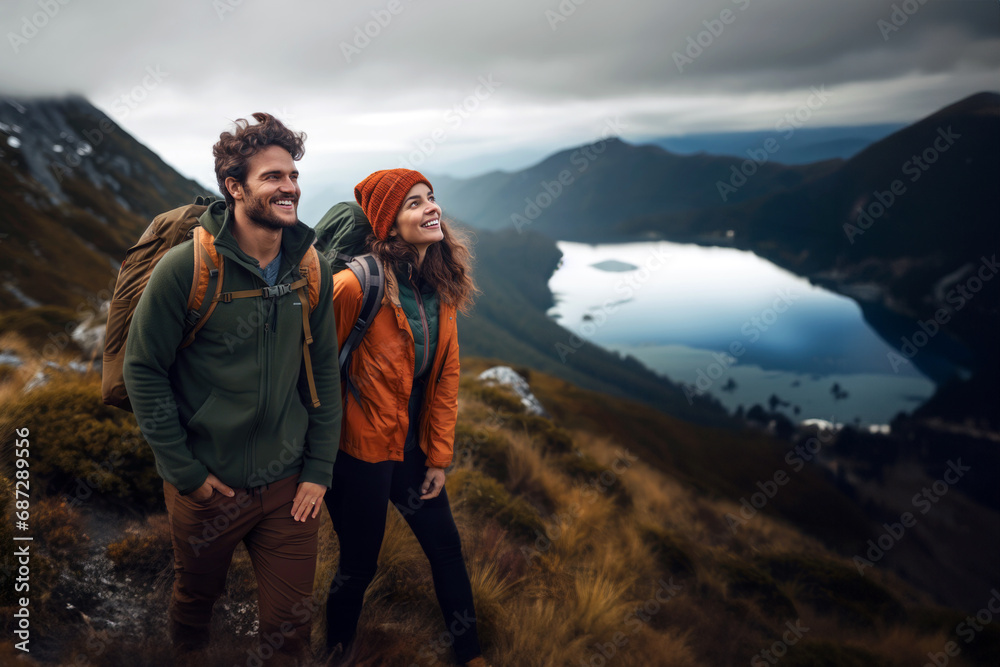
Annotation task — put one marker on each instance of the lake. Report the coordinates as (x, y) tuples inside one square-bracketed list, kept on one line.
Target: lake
[(735, 326)]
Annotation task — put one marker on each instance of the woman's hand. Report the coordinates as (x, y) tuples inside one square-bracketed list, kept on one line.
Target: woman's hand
[(308, 500), (433, 483)]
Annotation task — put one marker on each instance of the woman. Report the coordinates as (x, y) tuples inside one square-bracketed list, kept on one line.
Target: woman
[(399, 424)]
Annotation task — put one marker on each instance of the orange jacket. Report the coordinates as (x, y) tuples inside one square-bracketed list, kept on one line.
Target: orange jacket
[(381, 368)]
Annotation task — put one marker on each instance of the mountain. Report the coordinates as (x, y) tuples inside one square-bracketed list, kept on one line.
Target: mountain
[(585, 193), (906, 227), (77, 191), (798, 145), (571, 521)]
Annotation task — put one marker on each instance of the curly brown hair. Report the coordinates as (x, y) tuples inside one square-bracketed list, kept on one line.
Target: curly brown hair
[(447, 264), (234, 149)]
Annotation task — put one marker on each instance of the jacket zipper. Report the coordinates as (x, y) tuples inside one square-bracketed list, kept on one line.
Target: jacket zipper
[(262, 395), (265, 382), (432, 382), (265, 348), (423, 324)]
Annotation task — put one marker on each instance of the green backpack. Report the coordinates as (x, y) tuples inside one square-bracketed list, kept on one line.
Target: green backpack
[(342, 235)]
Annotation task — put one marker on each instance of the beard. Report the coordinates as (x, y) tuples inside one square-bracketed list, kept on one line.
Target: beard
[(258, 212)]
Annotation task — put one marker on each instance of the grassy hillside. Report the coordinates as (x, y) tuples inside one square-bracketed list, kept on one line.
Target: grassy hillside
[(77, 192), (724, 464), (68, 215), (584, 541)]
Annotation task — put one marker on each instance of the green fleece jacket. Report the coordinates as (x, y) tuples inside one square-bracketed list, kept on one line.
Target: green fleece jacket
[(235, 402)]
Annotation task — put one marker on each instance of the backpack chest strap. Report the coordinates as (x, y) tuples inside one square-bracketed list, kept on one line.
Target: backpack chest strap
[(209, 267), (301, 289), (270, 292)]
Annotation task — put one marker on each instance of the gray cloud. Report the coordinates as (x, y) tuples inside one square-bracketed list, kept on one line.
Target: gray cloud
[(377, 93)]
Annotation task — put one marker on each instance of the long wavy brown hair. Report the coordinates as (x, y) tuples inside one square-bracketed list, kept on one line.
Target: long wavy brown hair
[(447, 264)]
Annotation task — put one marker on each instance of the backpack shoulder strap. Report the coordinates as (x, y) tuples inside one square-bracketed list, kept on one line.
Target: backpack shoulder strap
[(370, 273), (207, 280), (307, 288), (309, 269)]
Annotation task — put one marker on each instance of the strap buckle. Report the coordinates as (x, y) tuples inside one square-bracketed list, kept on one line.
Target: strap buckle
[(276, 291)]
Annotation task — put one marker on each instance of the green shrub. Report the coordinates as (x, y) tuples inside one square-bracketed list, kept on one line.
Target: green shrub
[(585, 469), (512, 415), (500, 398), (580, 466), (82, 448), (485, 448), (487, 499), (552, 438)]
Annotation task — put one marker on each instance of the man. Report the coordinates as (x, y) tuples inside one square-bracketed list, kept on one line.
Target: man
[(245, 456)]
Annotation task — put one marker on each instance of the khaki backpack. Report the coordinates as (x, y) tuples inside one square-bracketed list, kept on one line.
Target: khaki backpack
[(166, 231)]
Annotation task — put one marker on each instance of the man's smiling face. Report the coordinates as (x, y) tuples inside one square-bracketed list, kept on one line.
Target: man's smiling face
[(270, 196)]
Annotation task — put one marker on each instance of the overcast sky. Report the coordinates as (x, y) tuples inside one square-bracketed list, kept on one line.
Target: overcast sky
[(528, 77)]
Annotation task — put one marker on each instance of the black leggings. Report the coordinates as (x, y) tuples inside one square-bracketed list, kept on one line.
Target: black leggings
[(357, 504)]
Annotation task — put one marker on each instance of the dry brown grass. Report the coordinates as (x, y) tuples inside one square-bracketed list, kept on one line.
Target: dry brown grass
[(571, 565), (590, 586), (597, 562)]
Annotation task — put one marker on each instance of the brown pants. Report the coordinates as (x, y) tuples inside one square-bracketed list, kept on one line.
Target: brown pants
[(282, 550)]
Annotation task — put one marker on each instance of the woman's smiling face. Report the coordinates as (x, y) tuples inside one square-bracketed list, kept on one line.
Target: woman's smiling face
[(419, 220)]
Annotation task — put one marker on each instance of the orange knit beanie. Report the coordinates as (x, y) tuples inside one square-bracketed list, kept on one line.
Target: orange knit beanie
[(381, 196)]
